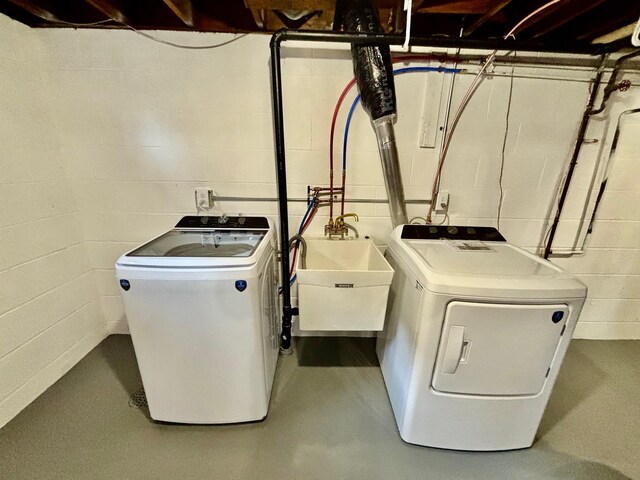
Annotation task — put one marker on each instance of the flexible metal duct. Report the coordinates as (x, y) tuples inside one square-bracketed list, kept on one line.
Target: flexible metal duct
[(374, 77)]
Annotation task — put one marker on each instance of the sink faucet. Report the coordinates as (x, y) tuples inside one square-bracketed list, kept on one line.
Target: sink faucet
[(338, 227)]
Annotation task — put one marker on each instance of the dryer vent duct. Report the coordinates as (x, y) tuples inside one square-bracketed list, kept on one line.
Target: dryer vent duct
[(374, 76)]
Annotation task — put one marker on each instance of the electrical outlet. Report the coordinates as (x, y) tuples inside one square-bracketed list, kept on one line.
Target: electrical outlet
[(205, 198), (442, 201)]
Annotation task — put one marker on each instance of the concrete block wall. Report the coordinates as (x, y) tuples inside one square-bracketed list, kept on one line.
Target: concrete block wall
[(105, 135), (611, 264), (143, 124), (50, 314)]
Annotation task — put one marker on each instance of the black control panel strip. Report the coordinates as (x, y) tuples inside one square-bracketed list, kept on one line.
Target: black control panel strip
[(450, 232), (224, 222)]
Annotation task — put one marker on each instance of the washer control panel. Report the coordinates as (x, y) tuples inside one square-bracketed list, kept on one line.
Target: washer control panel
[(223, 221), (450, 232)]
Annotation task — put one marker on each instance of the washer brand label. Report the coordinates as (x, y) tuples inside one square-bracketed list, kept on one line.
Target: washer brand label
[(125, 284), (344, 285), (241, 285)]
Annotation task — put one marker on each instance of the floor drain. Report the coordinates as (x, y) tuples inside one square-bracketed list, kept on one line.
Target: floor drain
[(138, 399)]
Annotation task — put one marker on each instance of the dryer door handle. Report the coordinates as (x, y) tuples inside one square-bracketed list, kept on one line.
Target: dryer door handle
[(454, 350)]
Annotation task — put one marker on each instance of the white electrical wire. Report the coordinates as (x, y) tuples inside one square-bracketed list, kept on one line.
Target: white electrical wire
[(178, 45), (472, 88), (76, 24), (504, 146), (151, 37)]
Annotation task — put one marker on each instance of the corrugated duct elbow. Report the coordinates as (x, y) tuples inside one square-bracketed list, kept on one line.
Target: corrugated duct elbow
[(374, 76), (371, 64)]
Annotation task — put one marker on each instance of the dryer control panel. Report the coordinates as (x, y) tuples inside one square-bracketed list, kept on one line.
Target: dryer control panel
[(450, 232)]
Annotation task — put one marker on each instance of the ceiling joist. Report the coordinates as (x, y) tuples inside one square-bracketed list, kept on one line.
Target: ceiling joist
[(572, 21), (42, 9), (493, 11), (579, 8), (114, 9), (183, 10)]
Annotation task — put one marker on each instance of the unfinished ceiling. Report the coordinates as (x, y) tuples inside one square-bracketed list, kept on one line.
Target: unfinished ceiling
[(599, 21)]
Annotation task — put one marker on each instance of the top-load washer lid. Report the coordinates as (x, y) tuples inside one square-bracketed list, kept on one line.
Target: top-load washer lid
[(477, 261), (204, 242)]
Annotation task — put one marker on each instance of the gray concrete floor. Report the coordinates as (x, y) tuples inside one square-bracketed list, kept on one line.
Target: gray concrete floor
[(329, 418)]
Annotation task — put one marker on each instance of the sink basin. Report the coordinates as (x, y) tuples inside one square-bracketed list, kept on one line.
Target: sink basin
[(344, 286)]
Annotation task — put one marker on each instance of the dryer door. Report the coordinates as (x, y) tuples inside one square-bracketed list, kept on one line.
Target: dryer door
[(497, 349)]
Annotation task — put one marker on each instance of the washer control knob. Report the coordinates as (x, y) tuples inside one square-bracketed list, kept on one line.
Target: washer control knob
[(223, 218)]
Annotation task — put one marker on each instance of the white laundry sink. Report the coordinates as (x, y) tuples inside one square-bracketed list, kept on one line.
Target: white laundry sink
[(344, 286)]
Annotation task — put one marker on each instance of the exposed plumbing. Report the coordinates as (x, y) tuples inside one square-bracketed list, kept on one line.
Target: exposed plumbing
[(303, 248), (360, 39), (582, 130), (338, 227), (612, 86), (612, 152), (351, 227)]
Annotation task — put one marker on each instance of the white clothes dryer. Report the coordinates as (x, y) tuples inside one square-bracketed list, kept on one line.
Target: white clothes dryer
[(475, 334), (202, 305)]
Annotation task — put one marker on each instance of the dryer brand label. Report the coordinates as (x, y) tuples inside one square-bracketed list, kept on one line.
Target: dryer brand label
[(125, 284), (344, 285), (241, 285)]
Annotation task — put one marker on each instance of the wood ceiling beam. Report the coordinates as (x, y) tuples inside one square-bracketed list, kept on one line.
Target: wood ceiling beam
[(605, 27), (499, 5), (577, 9), (259, 16), (113, 9), (477, 7), (183, 9), (543, 15), (43, 9), (618, 34)]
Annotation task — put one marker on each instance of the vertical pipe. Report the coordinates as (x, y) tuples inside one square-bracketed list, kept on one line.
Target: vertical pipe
[(576, 152), (281, 173), (385, 135)]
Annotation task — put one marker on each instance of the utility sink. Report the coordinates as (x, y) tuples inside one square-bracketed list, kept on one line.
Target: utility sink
[(344, 286)]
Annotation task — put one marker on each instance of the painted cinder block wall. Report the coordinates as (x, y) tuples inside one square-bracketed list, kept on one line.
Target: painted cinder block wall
[(144, 124), (105, 135), (50, 314)]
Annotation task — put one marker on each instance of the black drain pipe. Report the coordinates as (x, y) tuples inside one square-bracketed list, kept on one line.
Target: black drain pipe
[(283, 207), (361, 39)]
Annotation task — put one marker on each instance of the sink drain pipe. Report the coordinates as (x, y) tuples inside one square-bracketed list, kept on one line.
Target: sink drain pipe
[(363, 39)]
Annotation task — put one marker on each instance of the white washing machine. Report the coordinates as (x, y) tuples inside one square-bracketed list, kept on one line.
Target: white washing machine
[(475, 334), (202, 305)]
